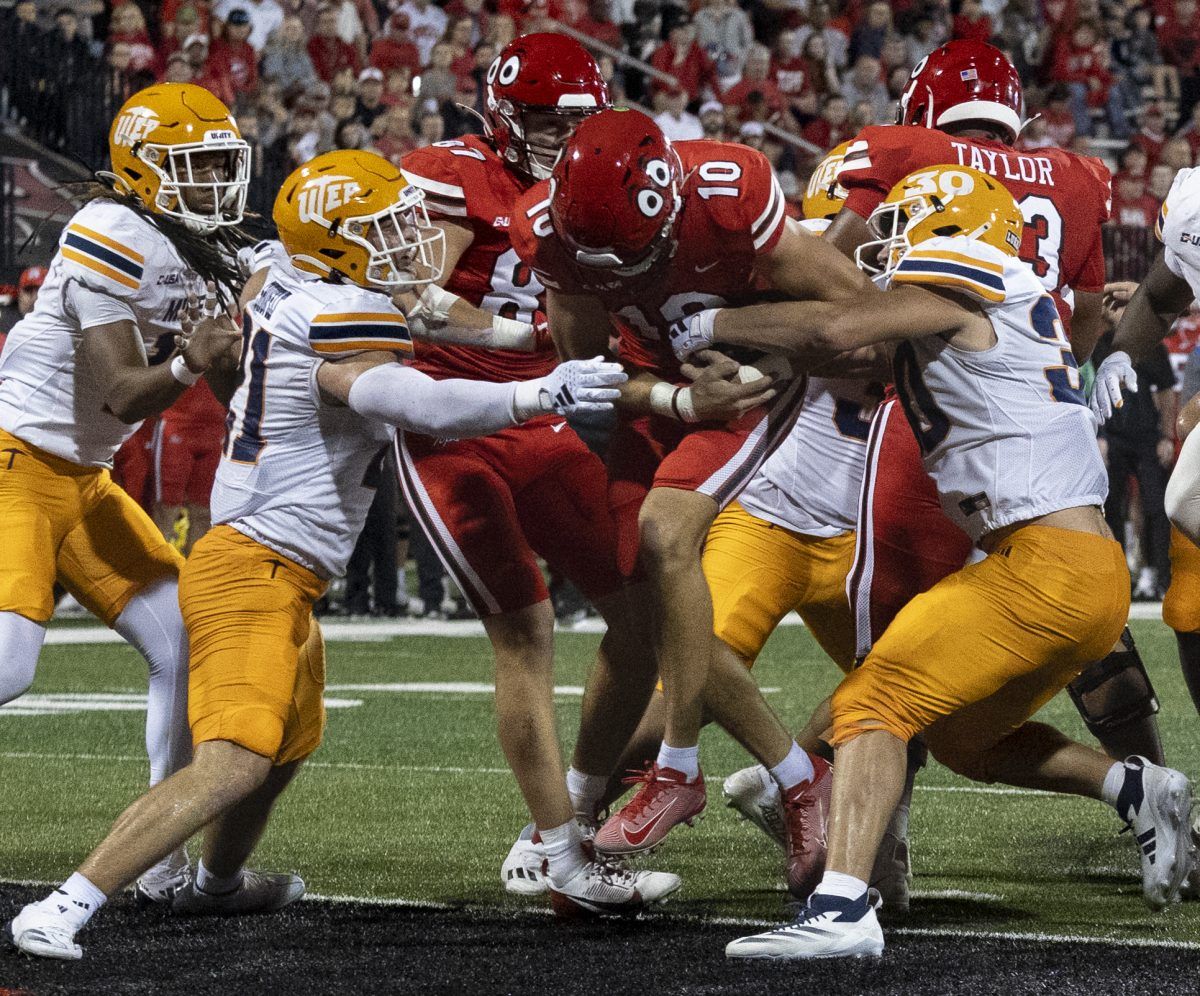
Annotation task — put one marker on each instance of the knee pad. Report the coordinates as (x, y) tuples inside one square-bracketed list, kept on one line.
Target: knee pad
[(1114, 691)]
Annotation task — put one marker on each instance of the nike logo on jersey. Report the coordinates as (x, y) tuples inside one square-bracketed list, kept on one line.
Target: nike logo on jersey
[(705, 269), (558, 427)]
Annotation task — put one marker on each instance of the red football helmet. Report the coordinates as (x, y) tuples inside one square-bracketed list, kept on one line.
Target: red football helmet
[(615, 195), (964, 81), (538, 89)]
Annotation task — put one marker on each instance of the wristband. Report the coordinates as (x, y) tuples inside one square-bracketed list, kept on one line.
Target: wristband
[(508, 333), (438, 302), (662, 396), (681, 405), (182, 372), (530, 398)]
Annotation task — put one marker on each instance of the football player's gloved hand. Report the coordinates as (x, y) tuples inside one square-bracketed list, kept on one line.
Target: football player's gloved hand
[(694, 333), (575, 386), (1115, 373)]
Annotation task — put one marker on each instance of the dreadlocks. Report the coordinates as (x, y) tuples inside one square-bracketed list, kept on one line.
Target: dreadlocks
[(212, 256)]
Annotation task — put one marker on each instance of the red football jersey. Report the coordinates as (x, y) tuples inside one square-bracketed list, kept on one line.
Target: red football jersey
[(465, 181), (1064, 197), (733, 212)]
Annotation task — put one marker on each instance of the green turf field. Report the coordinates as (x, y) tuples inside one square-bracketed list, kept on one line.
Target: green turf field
[(408, 798)]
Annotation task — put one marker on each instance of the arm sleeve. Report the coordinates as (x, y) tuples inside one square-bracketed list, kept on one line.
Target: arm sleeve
[(92, 308), (445, 409)]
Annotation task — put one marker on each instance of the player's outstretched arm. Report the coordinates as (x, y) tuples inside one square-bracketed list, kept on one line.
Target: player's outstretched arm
[(378, 388), (808, 267), (132, 389), (813, 332), (1159, 300)]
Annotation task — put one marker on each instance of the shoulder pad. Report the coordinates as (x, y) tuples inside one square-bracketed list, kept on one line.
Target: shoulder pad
[(357, 321), (956, 263), (105, 246)]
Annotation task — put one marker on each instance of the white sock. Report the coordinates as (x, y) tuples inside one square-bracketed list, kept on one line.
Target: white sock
[(215, 885), (20, 644), (836, 884), (75, 900), (585, 792), (685, 759), (795, 768), (1112, 783), (151, 623), (564, 851)]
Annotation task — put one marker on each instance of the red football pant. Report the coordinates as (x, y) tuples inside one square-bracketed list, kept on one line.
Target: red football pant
[(185, 463), (492, 506), (714, 459), (905, 544)]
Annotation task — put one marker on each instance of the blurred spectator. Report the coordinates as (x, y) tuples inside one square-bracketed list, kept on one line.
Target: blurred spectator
[(438, 81), (1161, 178), (894, 55), (328, 52), (426, 25), (592, 18), (1057, 116), (674, 120), (370, 97), (837, 44), (1024, 34), (394, 138), (205, 71), (430, 128), (921, 40), (832, 127), (724, 31), (712, 120), (458, 37), (1137, 56), (1176, 154), (681, 57), (196, 14), (871, 32), (233, 54), (1179, 35), (501, 30), (1191, 132), (1081, 62), (864, 85), (286, 60), (971, 23), (1131, 205), (179, 69), (187, 22), (819, 67), (127, 26), (757, 95), (393, 48), (28, 285), (265, 17), (1133, 163), (1151, 135), (753, 134), (351, 134)]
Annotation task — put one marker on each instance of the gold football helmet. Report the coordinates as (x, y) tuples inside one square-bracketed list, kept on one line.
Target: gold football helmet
[(940, 201), (353, 213), (824, 196), (177, 148)]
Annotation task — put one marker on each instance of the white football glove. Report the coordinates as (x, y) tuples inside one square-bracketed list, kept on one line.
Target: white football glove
[(694, 333), (582, 386), (1115, 373)]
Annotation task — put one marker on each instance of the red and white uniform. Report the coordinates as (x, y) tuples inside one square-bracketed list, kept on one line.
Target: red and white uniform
[(187, 448), (732, 213), (905, 542), (492, 506)]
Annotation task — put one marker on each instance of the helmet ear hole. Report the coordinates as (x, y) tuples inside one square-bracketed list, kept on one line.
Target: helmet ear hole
[(946, 231)]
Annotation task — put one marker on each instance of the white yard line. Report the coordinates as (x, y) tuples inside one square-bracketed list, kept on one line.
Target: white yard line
[(754, 922)]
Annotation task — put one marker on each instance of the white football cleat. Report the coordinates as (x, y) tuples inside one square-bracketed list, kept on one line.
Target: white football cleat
[(1156, 803), (827, 927), (260, 892), (605, 888), (159, 885), (754, 795), (521, 871), (44, 933)]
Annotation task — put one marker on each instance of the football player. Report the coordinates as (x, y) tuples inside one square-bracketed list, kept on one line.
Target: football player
[(320, 395), (979, 358), (963, 106), (493, 506), (96, 356), (1170, 287), (631, 235)]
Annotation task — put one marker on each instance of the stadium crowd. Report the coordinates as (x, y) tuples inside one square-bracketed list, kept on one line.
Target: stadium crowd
[(793, 78)]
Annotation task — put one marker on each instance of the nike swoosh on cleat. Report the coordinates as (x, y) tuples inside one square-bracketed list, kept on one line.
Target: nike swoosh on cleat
[(635, 839)]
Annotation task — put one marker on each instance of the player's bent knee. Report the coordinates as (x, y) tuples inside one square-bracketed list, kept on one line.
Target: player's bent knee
[(861, 706), (237, 769)]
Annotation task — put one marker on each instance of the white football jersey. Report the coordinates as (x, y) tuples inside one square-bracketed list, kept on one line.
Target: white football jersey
[(1179, 228), (298, 475), (1005, 432), (811, 483), (47, 398)]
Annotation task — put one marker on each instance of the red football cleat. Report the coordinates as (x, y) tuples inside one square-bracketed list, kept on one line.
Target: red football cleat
[(665, 800), (806, 812)]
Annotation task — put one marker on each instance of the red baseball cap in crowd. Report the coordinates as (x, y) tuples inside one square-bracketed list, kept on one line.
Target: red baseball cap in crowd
[(33, 276)]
